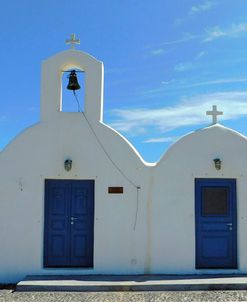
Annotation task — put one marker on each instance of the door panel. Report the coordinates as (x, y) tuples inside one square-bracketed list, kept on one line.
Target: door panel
[(216, 225), (69, 222), (56, 224), (82, 227)]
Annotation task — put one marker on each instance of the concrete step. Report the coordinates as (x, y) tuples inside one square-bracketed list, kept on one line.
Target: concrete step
[(96, 283)]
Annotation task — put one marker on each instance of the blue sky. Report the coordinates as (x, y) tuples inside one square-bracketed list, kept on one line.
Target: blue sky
[(166, 63)]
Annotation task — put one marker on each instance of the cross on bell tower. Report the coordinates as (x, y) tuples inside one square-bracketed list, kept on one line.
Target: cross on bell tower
[(214, 114), (73, 41)]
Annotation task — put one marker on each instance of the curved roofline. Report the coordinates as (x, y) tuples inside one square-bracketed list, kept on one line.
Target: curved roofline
[(129, 144), (18, 135), (23, 131), (72, 51), (219, 126)]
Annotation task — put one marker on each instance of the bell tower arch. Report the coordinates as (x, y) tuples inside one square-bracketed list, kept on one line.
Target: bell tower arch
[(51, 83)]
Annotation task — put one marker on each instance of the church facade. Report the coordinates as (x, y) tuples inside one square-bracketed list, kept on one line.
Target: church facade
[(77, 198)]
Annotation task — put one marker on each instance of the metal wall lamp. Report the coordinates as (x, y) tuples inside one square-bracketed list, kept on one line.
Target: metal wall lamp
[(68, 164), (217, 163)]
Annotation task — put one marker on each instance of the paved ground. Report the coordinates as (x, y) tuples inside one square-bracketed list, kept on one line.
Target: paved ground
[(193, 296)]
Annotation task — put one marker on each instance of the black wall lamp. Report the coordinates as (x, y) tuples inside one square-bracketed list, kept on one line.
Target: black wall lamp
[(217, 163), (68, 164)]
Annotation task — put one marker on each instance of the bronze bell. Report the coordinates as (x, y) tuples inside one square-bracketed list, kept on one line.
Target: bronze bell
[(73, 82)]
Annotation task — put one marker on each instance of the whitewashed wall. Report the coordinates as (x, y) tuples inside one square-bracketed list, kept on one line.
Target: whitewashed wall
[(39, 153), (172, 216), (164, 238)]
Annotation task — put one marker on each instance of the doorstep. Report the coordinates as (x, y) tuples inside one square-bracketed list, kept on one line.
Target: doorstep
[(96, 283)]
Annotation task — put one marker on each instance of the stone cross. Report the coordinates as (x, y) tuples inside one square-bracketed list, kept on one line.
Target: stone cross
[(73, 41), (214, 114)]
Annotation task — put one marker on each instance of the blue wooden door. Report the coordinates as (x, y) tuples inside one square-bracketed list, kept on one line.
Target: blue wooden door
[(216, 223), (69, 221)]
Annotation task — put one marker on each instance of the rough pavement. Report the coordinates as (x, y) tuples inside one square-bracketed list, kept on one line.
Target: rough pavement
[(192, 296)]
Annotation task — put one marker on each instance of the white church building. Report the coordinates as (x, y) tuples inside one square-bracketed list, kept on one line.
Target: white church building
[(77, 198)]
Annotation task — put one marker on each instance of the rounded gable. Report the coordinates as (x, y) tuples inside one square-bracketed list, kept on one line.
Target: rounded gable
[(201, 146)]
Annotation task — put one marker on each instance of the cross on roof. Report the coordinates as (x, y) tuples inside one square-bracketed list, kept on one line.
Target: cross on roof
[(214, 114), (73, 41)]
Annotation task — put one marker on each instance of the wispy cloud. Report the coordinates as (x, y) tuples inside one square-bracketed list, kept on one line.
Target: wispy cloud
[(181, 85), (188, 113), (231, 32), (165, 82), (220, 81), (205, 6), (200, 55), (211, 34), (157, 52), (183, 66), (168, 139), (186, 38), (196, 9), (164, 47)]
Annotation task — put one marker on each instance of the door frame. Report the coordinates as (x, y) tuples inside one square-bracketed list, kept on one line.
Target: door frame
[(218, 182)]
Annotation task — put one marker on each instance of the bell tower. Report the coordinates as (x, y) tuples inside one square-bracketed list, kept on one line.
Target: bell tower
[(51, 83)]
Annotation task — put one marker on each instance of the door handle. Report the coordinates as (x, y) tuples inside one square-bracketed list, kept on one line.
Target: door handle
[(72, 219), (229, 226)]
